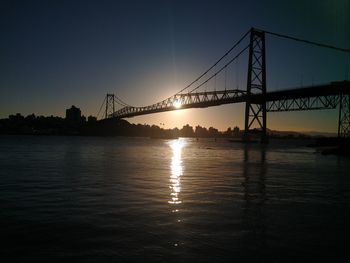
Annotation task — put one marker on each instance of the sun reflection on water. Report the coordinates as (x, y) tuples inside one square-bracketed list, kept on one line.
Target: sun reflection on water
[(176, 170)]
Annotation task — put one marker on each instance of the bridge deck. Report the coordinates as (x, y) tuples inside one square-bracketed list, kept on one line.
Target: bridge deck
[(329, 92), (334, 88)]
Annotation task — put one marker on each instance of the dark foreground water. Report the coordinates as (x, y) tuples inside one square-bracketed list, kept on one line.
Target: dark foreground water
[(74, 199)]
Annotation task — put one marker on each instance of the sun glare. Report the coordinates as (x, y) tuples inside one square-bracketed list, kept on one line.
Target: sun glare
[(177, 104)]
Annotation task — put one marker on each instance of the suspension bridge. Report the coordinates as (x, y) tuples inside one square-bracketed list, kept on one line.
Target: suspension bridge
[(258, 101)]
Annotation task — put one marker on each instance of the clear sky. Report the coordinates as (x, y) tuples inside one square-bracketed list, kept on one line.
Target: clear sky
[(58, 53)]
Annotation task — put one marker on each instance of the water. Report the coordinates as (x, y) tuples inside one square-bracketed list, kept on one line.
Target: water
[(86, 199)]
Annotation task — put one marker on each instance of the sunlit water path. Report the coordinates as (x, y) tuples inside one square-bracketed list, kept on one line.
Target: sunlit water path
[(76, 199)]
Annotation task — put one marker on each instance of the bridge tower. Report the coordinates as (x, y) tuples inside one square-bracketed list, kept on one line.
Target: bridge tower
[(255, 111), (344, 116), (110, 102)]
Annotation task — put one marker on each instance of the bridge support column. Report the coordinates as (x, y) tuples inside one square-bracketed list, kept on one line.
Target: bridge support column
[(344, 116), (109, 105), (255, 111)]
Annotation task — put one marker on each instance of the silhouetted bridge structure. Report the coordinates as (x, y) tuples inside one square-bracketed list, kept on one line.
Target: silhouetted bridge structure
[(257, 100)]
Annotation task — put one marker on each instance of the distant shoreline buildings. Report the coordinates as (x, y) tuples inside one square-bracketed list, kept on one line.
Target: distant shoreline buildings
[(75, 123)]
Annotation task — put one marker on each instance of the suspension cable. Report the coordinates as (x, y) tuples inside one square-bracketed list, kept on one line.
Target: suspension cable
[(122, 102), (221, 69), (103, 103), (225, 76), (206, 72), (217, 62), (118, 102), (308, 42)]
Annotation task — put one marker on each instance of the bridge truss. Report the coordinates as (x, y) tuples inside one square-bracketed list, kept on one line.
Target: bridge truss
[(322, 97)]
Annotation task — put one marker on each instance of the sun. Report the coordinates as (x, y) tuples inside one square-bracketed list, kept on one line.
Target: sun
[(177, 104)]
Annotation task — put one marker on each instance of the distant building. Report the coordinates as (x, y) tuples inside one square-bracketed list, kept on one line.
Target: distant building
[(236, 130), (73, 116)]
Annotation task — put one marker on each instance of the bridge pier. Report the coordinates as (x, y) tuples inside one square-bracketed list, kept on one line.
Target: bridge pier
[(110, 105), (255, 111), (344, 116)]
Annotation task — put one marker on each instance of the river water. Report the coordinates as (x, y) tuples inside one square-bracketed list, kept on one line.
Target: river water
[(90, 199)]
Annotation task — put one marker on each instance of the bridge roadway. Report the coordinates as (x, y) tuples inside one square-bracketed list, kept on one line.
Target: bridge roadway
[(306, 98)]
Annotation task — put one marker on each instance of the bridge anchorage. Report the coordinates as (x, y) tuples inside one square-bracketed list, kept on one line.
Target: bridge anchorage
[(257, 100)]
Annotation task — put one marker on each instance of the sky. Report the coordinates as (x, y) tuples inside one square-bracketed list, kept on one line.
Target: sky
[(55, 54)]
